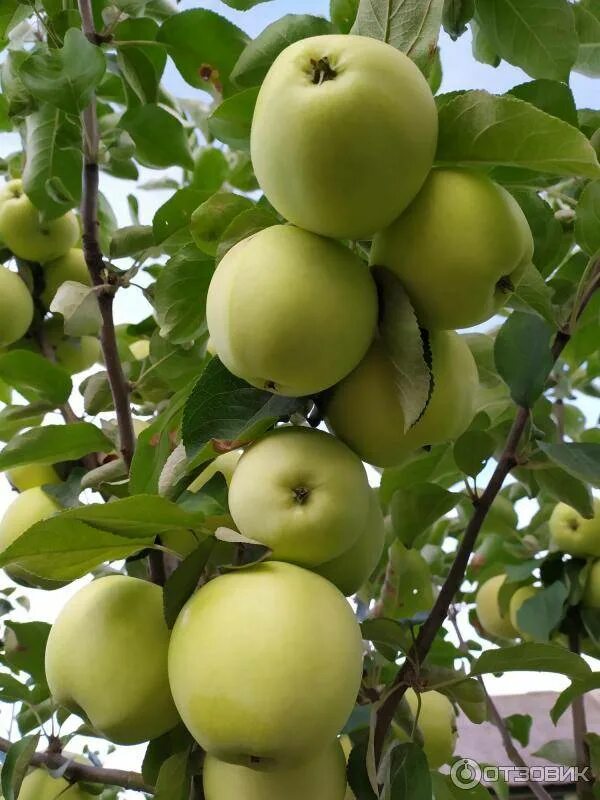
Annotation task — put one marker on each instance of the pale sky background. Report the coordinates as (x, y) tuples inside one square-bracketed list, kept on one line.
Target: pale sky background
[(461, 71)]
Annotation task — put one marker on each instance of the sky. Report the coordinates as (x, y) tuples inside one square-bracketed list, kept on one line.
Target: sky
[(461, 71)]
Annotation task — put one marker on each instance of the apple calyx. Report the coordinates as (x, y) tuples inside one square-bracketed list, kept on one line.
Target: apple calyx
[(322, 71), (505, 285), (301, 494)]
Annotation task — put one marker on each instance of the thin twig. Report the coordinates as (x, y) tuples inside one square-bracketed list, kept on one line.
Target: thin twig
[(582, 751)]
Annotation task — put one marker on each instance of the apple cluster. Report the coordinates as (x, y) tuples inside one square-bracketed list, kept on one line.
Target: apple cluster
[(52, 244)]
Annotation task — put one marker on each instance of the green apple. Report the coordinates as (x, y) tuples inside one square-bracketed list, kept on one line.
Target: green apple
[(291, 312), (488, 610), (30, 476), (26, 234), (16, 307), (69, 267), (571, 533), (323, 777), (459, 249), (364, 410), (240, 651), (591, 596), (76, 354), (354, 566), (40, 785), (302, 493), (31, 506), (437, 721), (516, 602), (107, 658), (343, 135)]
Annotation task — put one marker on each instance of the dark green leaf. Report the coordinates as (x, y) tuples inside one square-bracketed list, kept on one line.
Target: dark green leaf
[(473, 450), (413, 510), (519, 727), (523, 357), (174, 778), (16, 765), (260, 53), (244, 5), (211, 219), (131, 241), (53, 443), (231, 121), (532, 657), (565, 488), (211, 169), (587, 20), (547, 231), (35, 377), (358, 777), (541, 614), (538, 37), (483, 49), (159, 136), (457, 13), (553, 97), (389, 636), (175, 214), (182, 583), (25, 648), (409, 777), (578, 687), (343, 14), (141, 65), (478, 129), (587, 220), (558, 751), (580, 460), (244, 225), (533, 293)]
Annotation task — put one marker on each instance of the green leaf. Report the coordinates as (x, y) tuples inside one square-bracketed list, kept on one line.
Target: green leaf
[(473, 450), (389, 636), (211, 169), (260, 53), (413, 510), (404, 345), (578, 687), (532, 657), (549, 239), (409, 777), (186, 275), (445, 787), (523, 357), (35, 377), (244, 5), (131, 241), (16, 765), (558, 751), (553, 97), (174, 778), (412, 28), (20, 100), (200, 42), (587, 20), (483, 50), (565, 488), (141, 65), (244, 225), (231, 121), (587, 220), (211, 219), (533, 293), (13, 418), (519, 727), (77, 303), (65, 77), (541, 614), (53, 443), (182, 583), (25, 648), (539, 37), (580, 460), (343, 14), (52, 174), (479, 129), (159, 137), (174, 215), (358, 777), (224, 408), (457, 13), (12, 690)]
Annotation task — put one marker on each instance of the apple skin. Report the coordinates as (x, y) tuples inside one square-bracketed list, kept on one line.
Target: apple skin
[(76, 354), (453, 245), (243, 645), (16, 307), (364, 410), (30, 476), (488, 610), (274, 311), (591, 596), (26, 235), (301, 492), (69, 267), (516, 601), (40, 785), (437, 721), (571, 533), (31, 506), (343, 157), (354, 566), (114, 670), (323, 777)]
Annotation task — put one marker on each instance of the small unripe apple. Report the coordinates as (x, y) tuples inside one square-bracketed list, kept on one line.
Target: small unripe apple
[(242, 647), (364, 410), (291, 312), (24, 232), (488, 610), (76, 354), (302, 493), (69, 267), (323, 777), (571, 533), (437, 721), (40, 785), (31, 475), (591, 596), (516, 601), (459, 249), (354, 566), (106, 657), (343, 135), (16, 307), (31, 506)]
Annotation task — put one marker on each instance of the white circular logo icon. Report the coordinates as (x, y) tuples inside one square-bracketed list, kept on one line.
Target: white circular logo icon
[(465, 773)]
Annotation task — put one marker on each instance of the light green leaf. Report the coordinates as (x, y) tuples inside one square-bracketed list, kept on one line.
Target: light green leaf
[(548, 236), (53, 443), (131, 240), (174, 778), (343, 14), (211, 219), (414, 509), (65, 77), (587, 683), (541, 614), (481, 129), (587, 220), (244, 225), (580, 460), (457, 13), (558, 751), (539, 36), (534, 293), (174, 215), (532, 657), (473, 450), (587, 20), (35, 377), (16, 765), (78, 305), (141, 65), (231, 121), (563, 487), (159, 137)]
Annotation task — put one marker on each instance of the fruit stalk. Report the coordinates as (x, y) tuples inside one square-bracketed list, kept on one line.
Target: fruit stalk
[(95, 261), (408, 672)]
